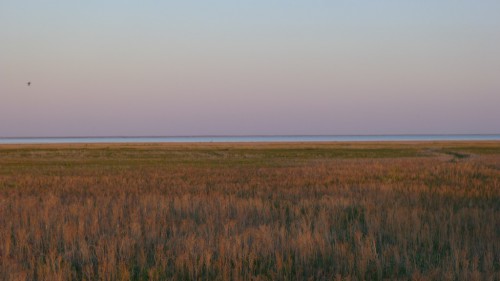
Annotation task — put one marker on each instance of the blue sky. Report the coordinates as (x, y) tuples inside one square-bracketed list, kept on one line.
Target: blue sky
[(103, 68)]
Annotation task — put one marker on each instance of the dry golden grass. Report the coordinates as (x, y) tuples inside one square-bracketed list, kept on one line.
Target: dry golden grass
[(344, 211)]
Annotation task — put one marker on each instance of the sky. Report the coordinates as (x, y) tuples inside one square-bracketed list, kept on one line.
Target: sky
[(261, 67)]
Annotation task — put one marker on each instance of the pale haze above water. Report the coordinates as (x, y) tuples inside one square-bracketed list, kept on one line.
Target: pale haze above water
[(143, 68)]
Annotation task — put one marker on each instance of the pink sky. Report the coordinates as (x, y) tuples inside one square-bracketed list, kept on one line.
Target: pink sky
[(243, 69)]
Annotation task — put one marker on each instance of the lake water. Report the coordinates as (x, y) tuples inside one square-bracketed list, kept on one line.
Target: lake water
[(207, 139)]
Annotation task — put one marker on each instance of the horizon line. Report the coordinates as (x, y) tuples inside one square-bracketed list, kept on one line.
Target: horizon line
[(258, 135)]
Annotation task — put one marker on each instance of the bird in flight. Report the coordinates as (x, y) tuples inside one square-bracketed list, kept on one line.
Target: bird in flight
[(29, 83)]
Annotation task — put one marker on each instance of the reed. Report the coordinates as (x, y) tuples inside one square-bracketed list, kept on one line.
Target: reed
[(370, 211)]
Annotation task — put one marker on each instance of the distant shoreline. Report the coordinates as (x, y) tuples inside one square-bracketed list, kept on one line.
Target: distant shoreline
[(252, 139)]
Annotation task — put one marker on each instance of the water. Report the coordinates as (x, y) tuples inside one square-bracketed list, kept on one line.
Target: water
[(208, 139)]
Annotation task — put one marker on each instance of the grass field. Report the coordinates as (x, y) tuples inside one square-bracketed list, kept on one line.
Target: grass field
[(305, 211)]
